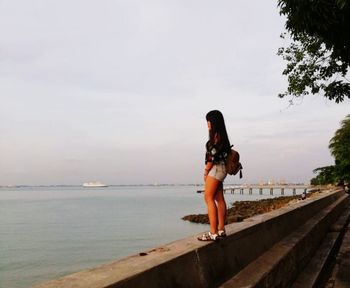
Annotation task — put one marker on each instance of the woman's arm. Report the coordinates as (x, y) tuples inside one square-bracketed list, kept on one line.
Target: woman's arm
[(207, 168), (208, 161)]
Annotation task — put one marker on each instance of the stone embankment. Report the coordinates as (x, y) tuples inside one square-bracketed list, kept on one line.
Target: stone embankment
[(305, 257)]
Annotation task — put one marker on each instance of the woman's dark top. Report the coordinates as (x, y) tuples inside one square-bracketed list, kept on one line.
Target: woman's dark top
[(215, 153)]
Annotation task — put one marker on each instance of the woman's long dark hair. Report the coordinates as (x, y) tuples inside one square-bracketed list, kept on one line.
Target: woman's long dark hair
[(218, 127)]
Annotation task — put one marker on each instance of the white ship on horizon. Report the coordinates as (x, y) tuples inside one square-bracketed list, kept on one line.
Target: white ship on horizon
[(94, 184)]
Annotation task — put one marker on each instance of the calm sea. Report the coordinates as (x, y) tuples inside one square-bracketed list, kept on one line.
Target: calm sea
[(48, 232)]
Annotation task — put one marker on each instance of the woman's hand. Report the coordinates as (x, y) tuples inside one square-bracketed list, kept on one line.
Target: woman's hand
[(206, 171), (207, 168)]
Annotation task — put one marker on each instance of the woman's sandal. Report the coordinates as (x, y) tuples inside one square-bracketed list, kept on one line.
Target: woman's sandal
[(222, 233), (208, 237)]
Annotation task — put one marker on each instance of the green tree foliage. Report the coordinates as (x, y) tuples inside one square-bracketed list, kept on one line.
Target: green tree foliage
[(326, 175), (339, 146), (340, 149), (318, 58)]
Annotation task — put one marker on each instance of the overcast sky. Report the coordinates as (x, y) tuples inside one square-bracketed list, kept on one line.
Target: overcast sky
[(117, 91)]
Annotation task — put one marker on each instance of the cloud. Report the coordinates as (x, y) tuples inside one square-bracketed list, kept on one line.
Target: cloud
[(106, 90)]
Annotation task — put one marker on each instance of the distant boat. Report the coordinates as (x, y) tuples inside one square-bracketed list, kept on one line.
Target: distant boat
[(94, 184)]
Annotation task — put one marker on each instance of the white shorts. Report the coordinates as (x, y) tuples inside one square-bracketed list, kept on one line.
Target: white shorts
[(218, 172)]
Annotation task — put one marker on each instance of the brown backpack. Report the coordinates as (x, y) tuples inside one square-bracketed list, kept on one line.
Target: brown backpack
[(233, 166)]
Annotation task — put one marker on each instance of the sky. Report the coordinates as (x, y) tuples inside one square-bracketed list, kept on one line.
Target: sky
[(117, 92)]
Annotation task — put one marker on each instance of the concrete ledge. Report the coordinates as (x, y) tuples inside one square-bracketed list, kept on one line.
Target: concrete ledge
[(317, 271), (279, 266), (342, 275), (190, 263), (313, 271)]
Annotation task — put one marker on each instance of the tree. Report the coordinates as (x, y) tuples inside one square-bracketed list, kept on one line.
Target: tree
[(319, 55), (326, 175), (340, 149), (339, 146)]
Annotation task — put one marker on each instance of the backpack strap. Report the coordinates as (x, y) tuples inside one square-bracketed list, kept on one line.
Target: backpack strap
[(240, 171)]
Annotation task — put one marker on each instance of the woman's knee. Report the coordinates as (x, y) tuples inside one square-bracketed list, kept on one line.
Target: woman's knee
[(209, 198), (219, 196)]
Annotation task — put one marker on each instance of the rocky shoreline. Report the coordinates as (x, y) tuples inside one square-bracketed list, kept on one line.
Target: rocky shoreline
[(241, 210)]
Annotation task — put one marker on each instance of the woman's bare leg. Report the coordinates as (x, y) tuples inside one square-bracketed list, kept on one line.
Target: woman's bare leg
[(221, 204), (211, 187)]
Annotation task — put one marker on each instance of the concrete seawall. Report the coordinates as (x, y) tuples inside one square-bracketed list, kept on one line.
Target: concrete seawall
[(190, 263)]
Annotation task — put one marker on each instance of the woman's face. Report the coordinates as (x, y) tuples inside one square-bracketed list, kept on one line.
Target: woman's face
[(209, 125)]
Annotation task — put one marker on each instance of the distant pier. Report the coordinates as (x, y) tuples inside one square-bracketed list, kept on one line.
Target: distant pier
[(273, 189)]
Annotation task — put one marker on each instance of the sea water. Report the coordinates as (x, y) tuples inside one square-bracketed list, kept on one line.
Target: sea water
[(49, 232)]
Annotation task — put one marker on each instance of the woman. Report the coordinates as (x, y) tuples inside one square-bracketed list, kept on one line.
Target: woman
[(217, 149)]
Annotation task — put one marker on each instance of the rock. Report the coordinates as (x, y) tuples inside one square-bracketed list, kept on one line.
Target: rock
[(197, 218), (244, 209)]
